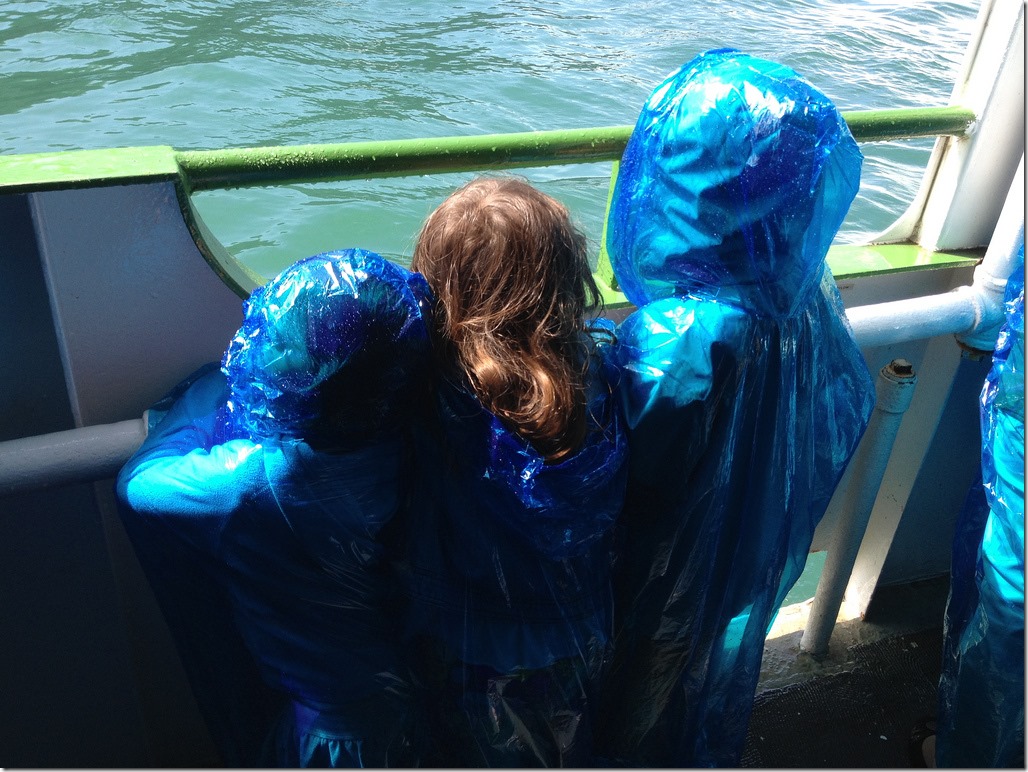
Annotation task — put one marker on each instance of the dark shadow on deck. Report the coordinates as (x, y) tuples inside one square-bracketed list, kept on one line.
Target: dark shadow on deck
[(858, 712)]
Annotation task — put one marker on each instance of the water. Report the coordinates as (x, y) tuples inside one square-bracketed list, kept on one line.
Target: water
[(199, 74)]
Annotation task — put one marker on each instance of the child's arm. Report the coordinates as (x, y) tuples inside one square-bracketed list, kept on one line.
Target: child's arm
[(181, 476), (176, 496), (673, 354)]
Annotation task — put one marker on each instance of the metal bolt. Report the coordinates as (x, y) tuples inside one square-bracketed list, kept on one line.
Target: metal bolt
[(901, 368)]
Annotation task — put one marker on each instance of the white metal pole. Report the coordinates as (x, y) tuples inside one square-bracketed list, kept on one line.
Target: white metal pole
[(915, 318), (894, 389), (972, 313), (990, 278)]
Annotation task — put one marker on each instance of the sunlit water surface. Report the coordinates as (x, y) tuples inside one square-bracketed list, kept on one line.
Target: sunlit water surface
[(198, 74)]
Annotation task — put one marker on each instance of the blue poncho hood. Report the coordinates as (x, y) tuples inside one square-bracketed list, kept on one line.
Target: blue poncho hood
[(736, 178), (349, 313)]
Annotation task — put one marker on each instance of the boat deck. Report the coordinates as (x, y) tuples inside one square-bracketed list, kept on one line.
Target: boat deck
[(856, 707)]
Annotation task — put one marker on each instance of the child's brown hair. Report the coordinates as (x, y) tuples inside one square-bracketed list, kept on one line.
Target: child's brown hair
[(512, 283)]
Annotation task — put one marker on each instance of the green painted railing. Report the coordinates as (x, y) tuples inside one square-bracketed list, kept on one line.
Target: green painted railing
[(198, 170), (244, 167)]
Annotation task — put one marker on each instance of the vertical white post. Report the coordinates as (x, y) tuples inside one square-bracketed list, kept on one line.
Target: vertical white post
[(894, 389), (960, 195)]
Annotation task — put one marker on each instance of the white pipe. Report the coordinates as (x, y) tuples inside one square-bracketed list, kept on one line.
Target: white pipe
[(974, 314), (65, 457), (905, 320), (894, 389), (61, 458), (990, 278)]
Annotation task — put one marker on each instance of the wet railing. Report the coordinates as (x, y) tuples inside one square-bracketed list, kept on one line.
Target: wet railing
[(255, 166), (201, 170)]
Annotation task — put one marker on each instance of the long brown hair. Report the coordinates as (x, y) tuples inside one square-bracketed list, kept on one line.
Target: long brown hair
[(512, 283)]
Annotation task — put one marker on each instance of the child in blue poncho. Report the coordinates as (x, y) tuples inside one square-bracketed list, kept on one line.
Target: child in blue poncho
[(981, 690), (745, 394), (521, 476), (264, 506)]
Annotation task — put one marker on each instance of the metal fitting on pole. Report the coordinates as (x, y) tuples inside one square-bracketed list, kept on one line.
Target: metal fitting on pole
[(894, 390)]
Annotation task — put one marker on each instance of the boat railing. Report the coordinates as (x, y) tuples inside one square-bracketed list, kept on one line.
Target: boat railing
[(201, 170), (245, 167), (196, 171)]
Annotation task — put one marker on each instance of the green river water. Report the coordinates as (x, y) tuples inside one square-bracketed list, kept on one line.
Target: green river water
[(199, 74)]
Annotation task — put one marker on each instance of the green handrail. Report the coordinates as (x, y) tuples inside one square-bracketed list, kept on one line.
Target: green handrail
[(255, 166), (251, 166), (196, 170), (909, 123)]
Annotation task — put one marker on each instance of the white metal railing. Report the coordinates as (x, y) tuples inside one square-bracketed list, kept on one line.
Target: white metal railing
[(972, 313)]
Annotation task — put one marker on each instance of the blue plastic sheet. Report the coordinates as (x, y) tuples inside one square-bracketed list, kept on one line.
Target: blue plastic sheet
[(981, 691), (744, 392), (262, 507), (509, 581), (362, 566), (349, 310)]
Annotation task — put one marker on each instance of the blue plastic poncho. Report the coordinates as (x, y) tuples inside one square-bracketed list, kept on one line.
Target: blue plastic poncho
[(981, 691), (509, 581), (263, 505), (744, 391)]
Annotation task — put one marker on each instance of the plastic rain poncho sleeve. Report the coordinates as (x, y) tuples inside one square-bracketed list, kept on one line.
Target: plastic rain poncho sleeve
[(262, 507), (981, 691), (509, 581), (744, 392)]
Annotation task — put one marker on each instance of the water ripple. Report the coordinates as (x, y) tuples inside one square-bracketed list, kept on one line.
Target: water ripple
[(215, 73)]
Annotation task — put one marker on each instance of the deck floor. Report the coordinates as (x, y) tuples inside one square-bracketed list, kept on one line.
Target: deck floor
[(857, 708), (860, 718)]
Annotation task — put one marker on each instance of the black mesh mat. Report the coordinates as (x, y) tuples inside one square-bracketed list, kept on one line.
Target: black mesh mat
[(860, 718)]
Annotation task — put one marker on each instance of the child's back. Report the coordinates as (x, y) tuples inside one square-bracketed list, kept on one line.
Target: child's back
[(263, 507), (522, 470), (744, 391)]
